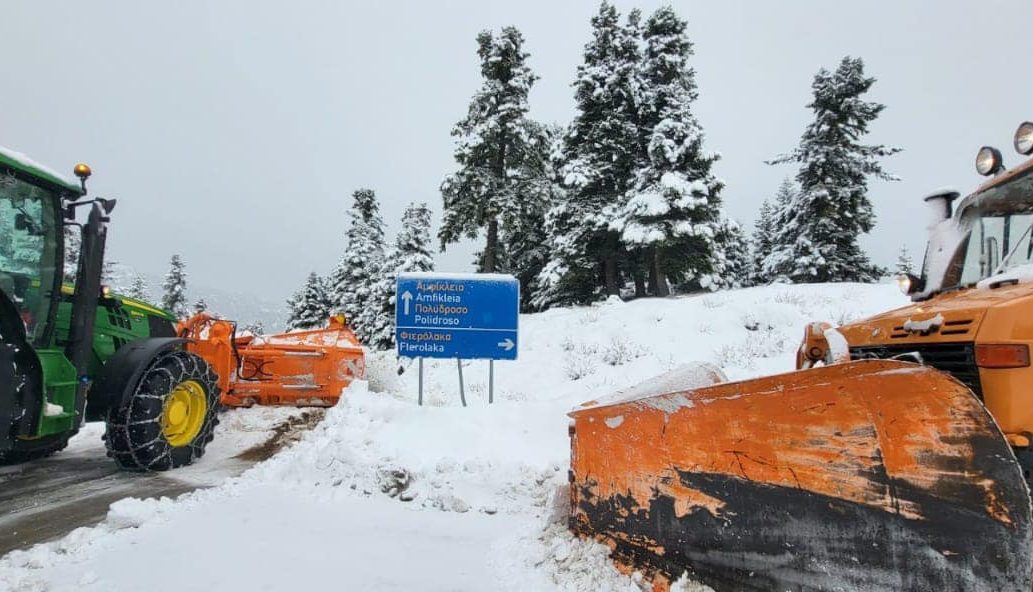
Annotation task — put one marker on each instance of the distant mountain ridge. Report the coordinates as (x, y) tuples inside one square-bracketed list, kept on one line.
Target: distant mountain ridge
[(243, 307)]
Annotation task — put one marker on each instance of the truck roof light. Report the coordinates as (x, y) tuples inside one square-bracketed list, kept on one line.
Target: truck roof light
[(1024, 138), (989, 161)]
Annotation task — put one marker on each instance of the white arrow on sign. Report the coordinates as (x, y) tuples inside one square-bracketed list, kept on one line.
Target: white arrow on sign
[(407, 298), (507, 344)]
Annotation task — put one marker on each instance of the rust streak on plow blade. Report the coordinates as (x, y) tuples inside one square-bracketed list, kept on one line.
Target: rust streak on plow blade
[(874, 475)]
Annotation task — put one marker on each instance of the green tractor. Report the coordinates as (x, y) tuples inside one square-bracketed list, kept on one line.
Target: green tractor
[(75, 352)]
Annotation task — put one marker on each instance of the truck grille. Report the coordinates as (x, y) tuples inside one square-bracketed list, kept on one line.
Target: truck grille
[(956, 359)]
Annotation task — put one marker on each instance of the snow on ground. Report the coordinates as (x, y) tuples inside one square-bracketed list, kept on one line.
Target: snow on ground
[(386, 495)]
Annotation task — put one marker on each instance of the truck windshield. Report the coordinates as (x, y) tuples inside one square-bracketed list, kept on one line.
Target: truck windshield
[(997, 234), (29, 262)]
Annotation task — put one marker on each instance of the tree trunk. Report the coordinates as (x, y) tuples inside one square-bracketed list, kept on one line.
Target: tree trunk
[(662, 289), (488, 260), (637, 272), (611, 270), (640, 283), (651, 286), (611, 275)]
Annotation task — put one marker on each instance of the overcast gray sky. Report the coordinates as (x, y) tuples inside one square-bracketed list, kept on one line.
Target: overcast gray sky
[(234, 132)]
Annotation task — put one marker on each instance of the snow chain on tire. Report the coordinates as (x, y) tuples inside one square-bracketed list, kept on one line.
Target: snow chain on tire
[(134, 435)]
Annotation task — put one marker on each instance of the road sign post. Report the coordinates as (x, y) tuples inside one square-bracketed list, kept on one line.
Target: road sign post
[(462, 316)]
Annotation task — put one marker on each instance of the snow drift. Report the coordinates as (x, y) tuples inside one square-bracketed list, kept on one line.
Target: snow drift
[(387, 495)]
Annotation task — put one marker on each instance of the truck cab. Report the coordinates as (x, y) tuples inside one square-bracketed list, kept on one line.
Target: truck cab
[(972, 307)]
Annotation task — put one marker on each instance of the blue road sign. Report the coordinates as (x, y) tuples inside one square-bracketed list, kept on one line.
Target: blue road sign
[(469, 316)]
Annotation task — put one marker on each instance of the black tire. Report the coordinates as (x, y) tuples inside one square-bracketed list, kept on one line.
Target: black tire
[(29, 450), (134, 435)]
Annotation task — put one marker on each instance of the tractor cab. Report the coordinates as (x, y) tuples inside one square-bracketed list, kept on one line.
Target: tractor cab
[(31, 236)]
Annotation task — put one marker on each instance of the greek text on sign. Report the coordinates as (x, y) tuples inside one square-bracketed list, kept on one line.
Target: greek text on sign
[(469, 316)]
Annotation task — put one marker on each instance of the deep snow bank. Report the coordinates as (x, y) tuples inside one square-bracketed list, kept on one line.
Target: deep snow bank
[(386, 495)]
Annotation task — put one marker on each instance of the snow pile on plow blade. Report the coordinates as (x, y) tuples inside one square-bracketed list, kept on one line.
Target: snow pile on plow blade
[(872, 475)]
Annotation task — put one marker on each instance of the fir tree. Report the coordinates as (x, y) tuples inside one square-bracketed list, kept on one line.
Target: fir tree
[(355, 276), (174, 289), (108, 273), (673, 212), (309, 307), (493, 141), (410, 254), (255, 328), (524, 237), (817, 240), (764, 271), (412, 247), (905, 265), (730, 258), (600, 153), (138, 289)]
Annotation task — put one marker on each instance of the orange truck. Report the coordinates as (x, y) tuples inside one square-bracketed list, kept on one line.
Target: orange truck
[(896, 457)]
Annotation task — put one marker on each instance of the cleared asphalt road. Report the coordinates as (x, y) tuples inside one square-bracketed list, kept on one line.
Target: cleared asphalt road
[(46, 499)]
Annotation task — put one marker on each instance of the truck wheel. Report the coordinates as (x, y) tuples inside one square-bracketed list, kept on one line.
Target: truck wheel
[(169, 419), (28, 450)]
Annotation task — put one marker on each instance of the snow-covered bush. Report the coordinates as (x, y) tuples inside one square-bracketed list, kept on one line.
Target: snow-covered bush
[(712, 302), (621, 350), (763, 343), (580, 361)]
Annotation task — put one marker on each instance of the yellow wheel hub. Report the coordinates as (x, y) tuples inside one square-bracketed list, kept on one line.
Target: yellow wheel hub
[(184, 413)]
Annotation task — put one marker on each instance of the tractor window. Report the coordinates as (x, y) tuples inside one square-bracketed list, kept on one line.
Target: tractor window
[(28, 251)]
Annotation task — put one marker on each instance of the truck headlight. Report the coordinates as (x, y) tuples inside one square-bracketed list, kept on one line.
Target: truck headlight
[(1024, 138), (904, 282), (910, 284), (989, 161)]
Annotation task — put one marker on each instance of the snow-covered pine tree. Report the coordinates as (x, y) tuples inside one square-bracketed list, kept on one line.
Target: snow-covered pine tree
[(595, 161), (771, 214), (413, 243), (309, 307), (818, 239), (673, 211), (354, 278), (255, 328), (410, 254), (905, 264), (138, 289), (200, 306), (600, 153), (760, 243), (731, 257), (174, 297), (108, 273), (523, 234), (492, 142)]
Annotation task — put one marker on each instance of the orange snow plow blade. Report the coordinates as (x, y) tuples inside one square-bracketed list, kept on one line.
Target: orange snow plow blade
[(302, 369), (871, 475)]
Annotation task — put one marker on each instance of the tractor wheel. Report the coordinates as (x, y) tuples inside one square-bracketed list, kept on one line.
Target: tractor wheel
[(169, 419), (29, 450)]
